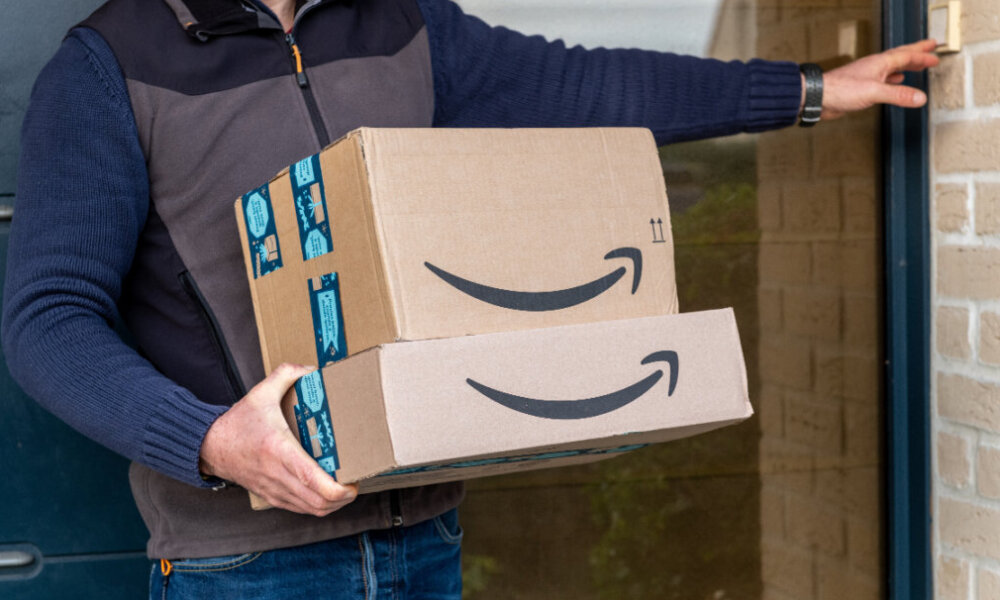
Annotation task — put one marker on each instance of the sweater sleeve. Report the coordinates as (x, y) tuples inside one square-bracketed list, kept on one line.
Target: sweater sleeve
[(82, 199), (492, 76)]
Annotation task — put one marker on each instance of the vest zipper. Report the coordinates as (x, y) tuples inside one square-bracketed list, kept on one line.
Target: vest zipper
[(233, 380), (307, 94)]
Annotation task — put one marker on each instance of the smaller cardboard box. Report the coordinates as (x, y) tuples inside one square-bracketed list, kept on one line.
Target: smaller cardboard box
[(414, 234), (414, 413)]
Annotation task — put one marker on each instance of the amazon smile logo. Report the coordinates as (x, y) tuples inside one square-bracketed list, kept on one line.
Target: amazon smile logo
[(550, 300), (588, 407)]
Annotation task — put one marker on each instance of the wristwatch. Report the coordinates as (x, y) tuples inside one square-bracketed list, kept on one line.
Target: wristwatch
[(813, 106)]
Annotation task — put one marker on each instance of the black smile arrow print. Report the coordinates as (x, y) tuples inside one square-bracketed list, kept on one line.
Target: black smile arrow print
[(553, 300), (589, 407)]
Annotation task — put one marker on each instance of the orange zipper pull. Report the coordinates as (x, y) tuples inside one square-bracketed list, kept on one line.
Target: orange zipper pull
[(300, 74)]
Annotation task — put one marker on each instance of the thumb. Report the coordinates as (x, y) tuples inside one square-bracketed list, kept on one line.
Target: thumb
[(275, 385)]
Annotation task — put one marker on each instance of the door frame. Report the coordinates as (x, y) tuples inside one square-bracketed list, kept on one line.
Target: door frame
[(907, 325)]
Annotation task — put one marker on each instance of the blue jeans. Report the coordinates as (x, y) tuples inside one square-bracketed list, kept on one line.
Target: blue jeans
[(422, 561)]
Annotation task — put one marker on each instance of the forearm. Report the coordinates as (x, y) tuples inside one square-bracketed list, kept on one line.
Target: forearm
[(495, 77), (81, 202)]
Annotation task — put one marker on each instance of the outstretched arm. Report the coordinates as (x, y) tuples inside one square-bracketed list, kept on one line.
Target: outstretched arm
[(492, 76)]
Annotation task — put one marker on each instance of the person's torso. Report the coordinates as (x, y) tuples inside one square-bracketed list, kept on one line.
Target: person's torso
[(223, 99)]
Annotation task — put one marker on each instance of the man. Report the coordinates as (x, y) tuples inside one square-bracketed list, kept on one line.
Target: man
[(155, 114)]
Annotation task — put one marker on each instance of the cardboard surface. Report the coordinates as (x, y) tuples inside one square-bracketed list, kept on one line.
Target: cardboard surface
[(437, 410), (438, 233)]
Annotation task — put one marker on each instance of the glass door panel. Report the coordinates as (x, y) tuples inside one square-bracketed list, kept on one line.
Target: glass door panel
[(785, 228)]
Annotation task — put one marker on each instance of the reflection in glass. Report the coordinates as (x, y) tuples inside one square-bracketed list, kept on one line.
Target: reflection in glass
[(783, 227)]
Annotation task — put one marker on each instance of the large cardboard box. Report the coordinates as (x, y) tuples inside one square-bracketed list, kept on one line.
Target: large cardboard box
[(411, 413), (414, 234)]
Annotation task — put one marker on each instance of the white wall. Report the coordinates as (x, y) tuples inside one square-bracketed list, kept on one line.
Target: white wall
[(683, 26)]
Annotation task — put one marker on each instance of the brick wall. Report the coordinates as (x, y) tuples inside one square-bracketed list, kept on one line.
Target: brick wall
[(819, 351), (965, 149)]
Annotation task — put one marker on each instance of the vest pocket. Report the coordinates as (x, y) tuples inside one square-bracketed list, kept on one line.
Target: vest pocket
[(233, 380)]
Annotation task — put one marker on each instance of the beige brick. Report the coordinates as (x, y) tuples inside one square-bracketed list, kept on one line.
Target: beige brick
[(864, 546), (951, 207), (989, 338), (797, 481), (986, 82), (818, 425), (772, 513), (967, 401), (824, 40), (786, 466), (968, 272), (987, 208), (969, 527), (768, 13), (812, 313), (855, 492), (793, 11), (771, 411), (837, 581), (813, 526), (828, 264), (862, 377), (988, 472), (860, 204), (773, 593), (980, 20), (830, 373), (846, 264), (782, 155), (784, 263), (861, 314), (961, 146), (847, 147), (785, 361), (951, 579), (948, 82), (781, 456), (989, 584), (856, 9), (861, 265), (811, 206), (952, 327), (769, 206), (863, 431), (769, 309), (953, 460), (787, 569), (783, 41)]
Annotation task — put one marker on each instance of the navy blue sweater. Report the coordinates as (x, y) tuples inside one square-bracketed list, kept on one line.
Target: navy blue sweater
[(77, 221)]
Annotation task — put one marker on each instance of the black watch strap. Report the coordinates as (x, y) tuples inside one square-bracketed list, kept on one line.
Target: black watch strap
[(813, 106)]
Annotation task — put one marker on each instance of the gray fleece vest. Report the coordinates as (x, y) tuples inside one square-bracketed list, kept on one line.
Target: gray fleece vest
[(220, 106)]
